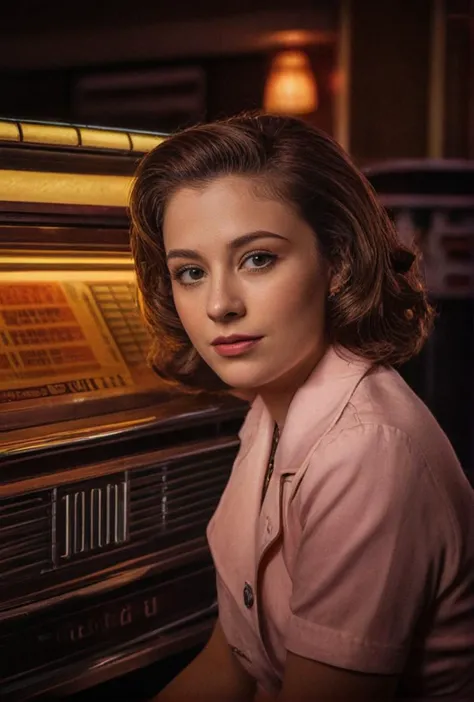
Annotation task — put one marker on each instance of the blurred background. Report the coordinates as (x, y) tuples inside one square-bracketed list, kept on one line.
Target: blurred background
[(388, 79)]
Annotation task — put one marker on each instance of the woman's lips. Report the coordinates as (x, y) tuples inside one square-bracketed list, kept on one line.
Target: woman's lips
[(236, 348)]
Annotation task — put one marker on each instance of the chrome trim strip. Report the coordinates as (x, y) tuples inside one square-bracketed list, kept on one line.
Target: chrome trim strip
[(110, 580), (81, 436), (132, 462)]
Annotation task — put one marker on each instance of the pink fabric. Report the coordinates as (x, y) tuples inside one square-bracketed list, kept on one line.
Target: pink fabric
[(362, 555)]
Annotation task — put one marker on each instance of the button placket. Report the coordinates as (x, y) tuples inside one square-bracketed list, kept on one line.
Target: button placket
[(270, 528), (240, 653)]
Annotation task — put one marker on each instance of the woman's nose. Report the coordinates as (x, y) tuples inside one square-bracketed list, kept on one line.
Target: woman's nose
[(224, 300)]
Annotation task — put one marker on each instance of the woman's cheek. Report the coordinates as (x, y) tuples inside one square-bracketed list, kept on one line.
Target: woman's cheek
[(184, 311)]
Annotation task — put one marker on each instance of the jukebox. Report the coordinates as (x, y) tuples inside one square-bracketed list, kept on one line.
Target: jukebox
[(107, 478), (432, 204)]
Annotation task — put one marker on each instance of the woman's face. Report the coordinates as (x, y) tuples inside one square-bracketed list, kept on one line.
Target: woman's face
[(246, 267)]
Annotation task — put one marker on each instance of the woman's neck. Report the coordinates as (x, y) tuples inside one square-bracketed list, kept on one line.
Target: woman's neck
[(278, 396)]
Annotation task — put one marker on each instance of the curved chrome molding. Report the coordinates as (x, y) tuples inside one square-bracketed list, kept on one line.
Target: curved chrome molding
[(79, 136)]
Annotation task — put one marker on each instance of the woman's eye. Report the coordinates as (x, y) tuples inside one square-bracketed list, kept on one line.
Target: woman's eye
[(187, 276), (259, 260)]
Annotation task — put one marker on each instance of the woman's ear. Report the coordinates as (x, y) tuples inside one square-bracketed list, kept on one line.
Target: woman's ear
[(338, 278), (333, 284)]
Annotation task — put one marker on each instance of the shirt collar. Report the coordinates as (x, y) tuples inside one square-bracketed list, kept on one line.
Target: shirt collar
[(314, 409)]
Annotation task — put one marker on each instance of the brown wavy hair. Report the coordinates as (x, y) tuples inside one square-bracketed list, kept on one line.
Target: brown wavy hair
[(380, 309)]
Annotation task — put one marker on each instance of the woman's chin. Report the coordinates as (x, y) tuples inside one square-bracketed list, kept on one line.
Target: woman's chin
[(240, 385)]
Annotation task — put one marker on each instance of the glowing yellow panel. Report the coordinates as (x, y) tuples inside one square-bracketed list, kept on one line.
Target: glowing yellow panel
[(9, 131), (86, 348), (50, 134), (64, 188), (9, 260), (105, 139), (145, 142)]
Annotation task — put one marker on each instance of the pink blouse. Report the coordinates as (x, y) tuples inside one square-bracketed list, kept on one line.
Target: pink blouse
[(362, 554)]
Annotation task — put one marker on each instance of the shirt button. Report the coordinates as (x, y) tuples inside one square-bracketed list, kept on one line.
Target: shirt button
[(248, 596)]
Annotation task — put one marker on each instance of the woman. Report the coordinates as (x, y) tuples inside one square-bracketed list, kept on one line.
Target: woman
[(344, 540)]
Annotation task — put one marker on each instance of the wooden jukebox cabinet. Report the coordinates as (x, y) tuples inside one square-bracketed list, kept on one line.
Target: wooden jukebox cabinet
[(107, 480)]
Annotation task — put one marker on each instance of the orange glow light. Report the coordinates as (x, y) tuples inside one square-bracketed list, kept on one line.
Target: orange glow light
[(291, 86)]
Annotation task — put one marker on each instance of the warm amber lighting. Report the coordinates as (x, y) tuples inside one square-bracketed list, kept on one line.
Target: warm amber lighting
[(291, 86), (65, 188), (41, 271), (65, 262)]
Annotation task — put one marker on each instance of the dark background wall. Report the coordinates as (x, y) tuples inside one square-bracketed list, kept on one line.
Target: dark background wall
[(389, 108), (45, 50), (233, 83)]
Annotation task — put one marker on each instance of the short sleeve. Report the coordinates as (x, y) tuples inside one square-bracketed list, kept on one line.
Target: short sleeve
[(364, 568)]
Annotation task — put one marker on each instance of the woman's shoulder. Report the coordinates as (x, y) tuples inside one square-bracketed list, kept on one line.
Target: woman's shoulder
[(387, 434), (384, 400)]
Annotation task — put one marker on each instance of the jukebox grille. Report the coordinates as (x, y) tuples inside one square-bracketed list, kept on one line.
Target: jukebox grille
[(169, 498), (25, 542), (168, 502)]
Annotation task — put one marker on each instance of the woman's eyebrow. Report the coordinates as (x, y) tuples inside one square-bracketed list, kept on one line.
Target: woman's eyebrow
[(233, 245)]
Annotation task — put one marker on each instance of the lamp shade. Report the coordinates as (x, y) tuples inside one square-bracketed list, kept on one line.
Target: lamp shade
[(291, 85)]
